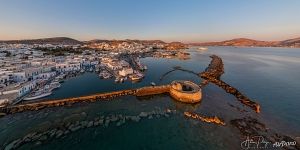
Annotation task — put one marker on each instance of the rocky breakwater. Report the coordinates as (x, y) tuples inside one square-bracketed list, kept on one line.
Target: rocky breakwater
[(67, 101), (214, 119), (71, 124), (213, 74)]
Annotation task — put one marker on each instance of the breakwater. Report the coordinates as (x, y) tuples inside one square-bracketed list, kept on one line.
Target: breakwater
[(77, 122), (144, 91), (214, 119), (213, 73)]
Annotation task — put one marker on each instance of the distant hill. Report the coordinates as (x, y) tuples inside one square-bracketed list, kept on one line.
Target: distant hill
[(54, 40), (127, 40), (250, 42), (290, 43)]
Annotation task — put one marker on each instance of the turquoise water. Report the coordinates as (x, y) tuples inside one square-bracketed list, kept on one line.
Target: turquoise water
[(270, 76)]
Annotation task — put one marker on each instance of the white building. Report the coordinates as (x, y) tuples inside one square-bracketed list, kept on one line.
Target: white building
[(66, 67)]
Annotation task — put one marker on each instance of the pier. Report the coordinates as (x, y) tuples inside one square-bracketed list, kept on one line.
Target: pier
[(144, 91)]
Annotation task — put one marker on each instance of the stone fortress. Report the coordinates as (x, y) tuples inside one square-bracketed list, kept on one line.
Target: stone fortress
[(185, 91)]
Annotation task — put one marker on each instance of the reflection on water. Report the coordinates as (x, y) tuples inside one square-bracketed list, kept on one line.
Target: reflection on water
[(270, 76)]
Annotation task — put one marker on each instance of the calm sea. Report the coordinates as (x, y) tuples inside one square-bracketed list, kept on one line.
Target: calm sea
[(270, 76)]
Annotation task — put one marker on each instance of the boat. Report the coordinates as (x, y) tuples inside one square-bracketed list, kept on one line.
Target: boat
[(38, 95), (105, 74), (82, 71), (153, 84), (135, 77), (117, 80), (202, 48), (54, 85)]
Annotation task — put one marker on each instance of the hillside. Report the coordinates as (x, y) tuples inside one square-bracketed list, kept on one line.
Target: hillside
[(250, 42), (55, 40)]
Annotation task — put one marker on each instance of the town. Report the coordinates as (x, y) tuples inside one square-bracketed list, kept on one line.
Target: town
[(32, 71)]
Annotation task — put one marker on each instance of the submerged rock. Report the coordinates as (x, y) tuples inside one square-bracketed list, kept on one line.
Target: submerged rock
[(13, 145), (143, 114), (59, 133), (90, 124)]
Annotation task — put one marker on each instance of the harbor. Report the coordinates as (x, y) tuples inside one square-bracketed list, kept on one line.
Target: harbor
[(82, 120)]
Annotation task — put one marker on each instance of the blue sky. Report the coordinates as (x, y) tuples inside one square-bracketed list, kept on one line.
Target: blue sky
[(169, 20)]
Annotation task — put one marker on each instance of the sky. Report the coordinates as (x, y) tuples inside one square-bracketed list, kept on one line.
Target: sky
[(168, 20)]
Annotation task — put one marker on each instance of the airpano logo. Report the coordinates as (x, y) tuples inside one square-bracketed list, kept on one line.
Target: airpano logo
[(259, 142)]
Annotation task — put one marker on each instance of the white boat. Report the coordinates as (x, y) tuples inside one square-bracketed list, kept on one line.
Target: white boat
[(202, 48), (37, 95), (54, 85), (153, 84)]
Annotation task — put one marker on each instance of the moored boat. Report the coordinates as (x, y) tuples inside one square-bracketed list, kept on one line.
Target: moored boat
[(54, 85), (37, 95), (202, 48)]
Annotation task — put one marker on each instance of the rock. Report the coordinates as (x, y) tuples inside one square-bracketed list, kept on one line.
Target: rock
[(101, 121), (119, 123), (107, 123), (150, 117), (59, 133), (83, 114), (143, 114), (96, 123), (83, 124), (66, 132), (75, 128), (166, 115), (43, 138), (157, 116), (91, 123), (12, 145), (135, 118), (35, 137), (114, 118), (38, 143), (29, 136), (97, 118), (52, 132)]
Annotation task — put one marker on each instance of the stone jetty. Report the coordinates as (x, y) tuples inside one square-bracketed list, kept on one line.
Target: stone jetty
[(144, 91), (214, 119), (213, 73)]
